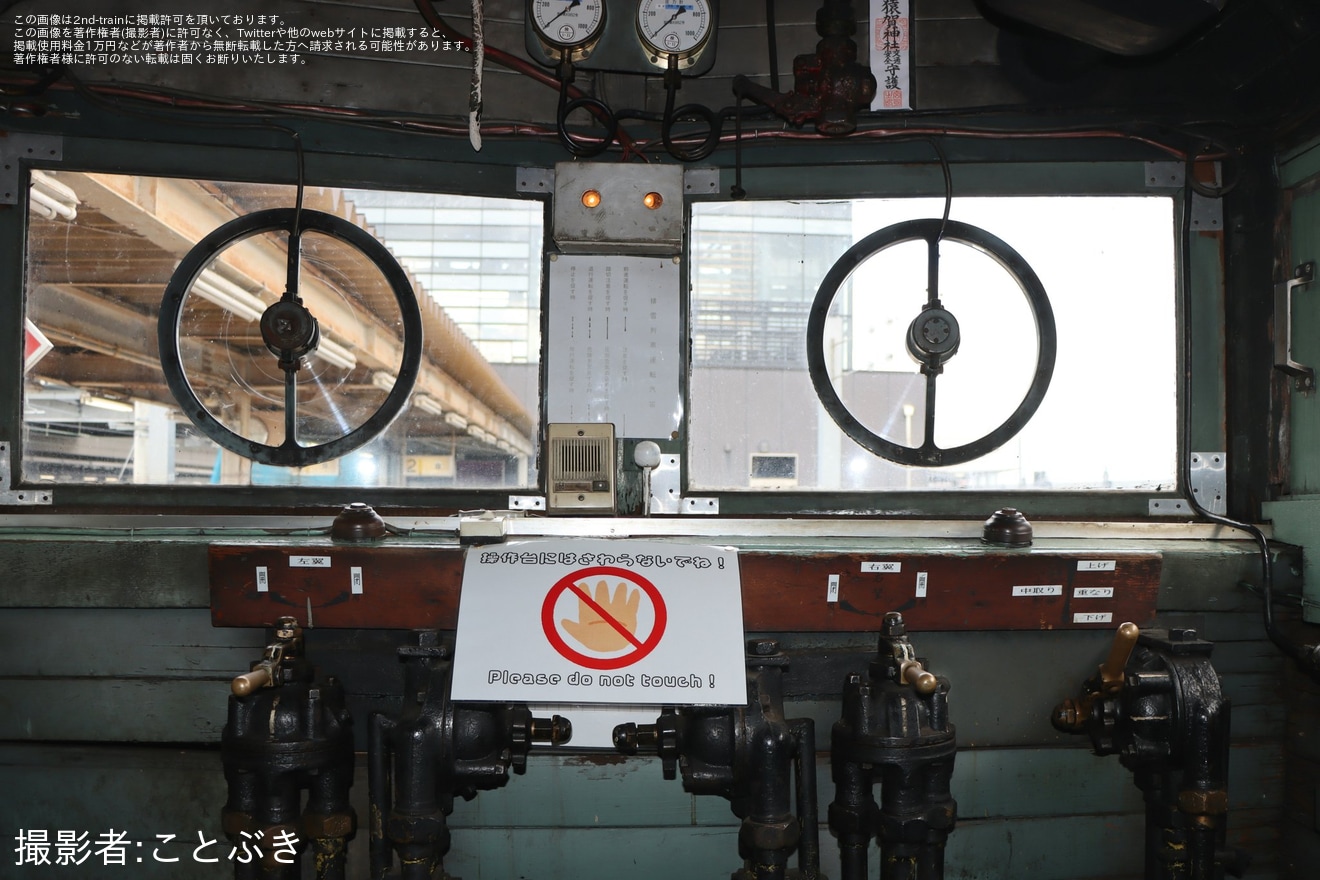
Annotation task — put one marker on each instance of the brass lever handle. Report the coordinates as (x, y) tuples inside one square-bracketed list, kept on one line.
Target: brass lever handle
[(1070, 716), (1111, 671), (921, 680), (287, 646), (248, 682)]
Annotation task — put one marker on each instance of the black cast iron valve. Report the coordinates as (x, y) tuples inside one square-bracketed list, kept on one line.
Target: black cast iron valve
[(895, 731), (288, 730), (752, 756), (434, 750), (830, 86), (1157, 703)]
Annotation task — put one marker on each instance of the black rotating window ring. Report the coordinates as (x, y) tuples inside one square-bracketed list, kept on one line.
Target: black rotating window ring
[(580, 146), (700, 112), (932, 339), (290, 332)]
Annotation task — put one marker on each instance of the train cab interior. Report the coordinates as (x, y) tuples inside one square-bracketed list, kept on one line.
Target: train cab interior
[(709, 438)]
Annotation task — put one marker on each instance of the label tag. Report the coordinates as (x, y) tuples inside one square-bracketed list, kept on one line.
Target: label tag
[(1093, 617), (601, 621), (921, 585), (309, 561), (1096, 565), (355, 579), (1039, 590), (263, 579), (832, 591), (882, 567), (1093, 592)]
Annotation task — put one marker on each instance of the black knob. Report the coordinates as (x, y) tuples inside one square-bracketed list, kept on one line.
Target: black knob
[(1007, 528)]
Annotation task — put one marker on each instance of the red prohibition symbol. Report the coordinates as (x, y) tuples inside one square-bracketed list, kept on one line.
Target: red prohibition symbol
[(639, 647)]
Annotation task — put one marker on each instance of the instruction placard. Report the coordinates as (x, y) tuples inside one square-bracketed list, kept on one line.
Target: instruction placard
[(613, 344), (599, 621)]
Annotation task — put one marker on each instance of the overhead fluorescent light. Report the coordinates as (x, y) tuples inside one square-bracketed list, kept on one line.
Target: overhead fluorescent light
[(106, 403), (50, 199), (428, 405), (219, 290), (456, 420), (384, 380), (335, 354)]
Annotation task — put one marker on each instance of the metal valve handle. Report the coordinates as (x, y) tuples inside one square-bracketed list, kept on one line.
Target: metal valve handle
[(1071, 715), (932, 339), (290, 331), (266, 671)]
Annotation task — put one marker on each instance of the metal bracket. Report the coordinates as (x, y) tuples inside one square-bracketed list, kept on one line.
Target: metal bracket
[(536, 180), (1207, 213), (526, 502), (701, 181), (13, 147), (700, 506), (1169, 507), (13, 497), (1305, 376), (1209, 478), (1164, 175), (665, 495)]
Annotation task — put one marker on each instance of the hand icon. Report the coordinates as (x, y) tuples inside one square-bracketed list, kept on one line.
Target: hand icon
[(593, 630)]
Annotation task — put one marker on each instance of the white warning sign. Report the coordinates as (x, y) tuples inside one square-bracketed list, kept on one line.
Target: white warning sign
[(598, 621)]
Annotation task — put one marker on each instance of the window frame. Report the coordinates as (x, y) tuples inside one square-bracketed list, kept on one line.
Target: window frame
[(1118, 177), (246, 162), (427, 166)]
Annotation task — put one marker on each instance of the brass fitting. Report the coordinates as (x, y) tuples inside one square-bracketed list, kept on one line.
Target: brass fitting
[(914, 674), (1203, 803), (265, 672)]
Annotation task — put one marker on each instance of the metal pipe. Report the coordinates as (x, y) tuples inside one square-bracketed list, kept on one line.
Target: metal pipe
[(379, 755), (850, 814), (804, 733), (330, 821)]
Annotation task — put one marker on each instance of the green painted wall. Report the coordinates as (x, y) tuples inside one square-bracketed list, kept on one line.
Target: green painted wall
[(111, 704)]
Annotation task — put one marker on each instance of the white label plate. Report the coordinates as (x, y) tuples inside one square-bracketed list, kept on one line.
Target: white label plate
[(309, 562), (1093, 592), (1093, 617), (1039, 590), (1097, 564), (882, 567)]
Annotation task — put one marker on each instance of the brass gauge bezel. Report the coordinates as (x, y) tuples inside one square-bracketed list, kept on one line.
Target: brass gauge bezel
[(562, 26), (663, 42)]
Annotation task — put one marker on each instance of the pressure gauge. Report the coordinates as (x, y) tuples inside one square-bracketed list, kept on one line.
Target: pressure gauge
[(674, 30), (567, 25)]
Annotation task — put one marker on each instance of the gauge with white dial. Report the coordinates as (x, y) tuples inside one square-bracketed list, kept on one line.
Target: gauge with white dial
[(670, 29), (567, 24)]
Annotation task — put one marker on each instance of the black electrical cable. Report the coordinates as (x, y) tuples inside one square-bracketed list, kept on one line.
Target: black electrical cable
[(302, 181), (737, 192), (700, 112), (948, 184), (1232, 171), (579, 146), (1306, 656)]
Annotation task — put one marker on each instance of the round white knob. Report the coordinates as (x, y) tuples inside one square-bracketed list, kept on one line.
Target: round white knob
[(647, 454)]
